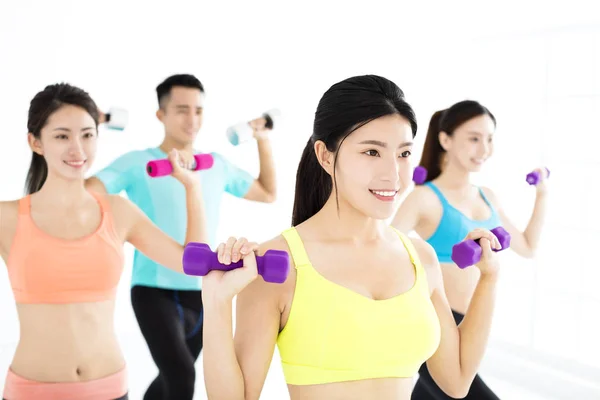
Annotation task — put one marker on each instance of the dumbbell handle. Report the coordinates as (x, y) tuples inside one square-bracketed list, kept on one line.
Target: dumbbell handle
[(468, 252), (199, 260), (533, 178), (163, 167)]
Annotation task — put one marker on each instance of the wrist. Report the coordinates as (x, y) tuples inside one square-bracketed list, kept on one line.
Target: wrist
[(216, 302), (192, 185), (489, 277)]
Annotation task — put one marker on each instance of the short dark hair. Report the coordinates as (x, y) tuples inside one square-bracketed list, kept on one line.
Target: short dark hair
[(186, 80)]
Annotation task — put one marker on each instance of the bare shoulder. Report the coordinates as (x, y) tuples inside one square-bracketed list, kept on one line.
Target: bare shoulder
[(430, 263), (491, 196), (426, 253), (422, 194), (279, 293), (8, 212), (121, 207), (276, 243), (9, 215)]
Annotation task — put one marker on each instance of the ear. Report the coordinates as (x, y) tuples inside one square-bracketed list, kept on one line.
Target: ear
[(35, 144), (160, 114), (324, 156), (445, 140)]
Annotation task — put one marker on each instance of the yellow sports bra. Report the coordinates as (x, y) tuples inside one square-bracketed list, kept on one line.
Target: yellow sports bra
[(334, 334)]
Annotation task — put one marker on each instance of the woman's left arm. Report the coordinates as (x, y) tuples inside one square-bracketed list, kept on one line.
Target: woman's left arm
[(525, 243), (456, 361)]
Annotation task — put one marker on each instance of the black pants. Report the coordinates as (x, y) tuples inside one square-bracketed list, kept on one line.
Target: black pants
[(427, 389), (171, 322)]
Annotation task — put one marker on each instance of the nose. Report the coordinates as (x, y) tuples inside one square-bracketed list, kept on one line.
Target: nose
[(75, 147), (390, 170)]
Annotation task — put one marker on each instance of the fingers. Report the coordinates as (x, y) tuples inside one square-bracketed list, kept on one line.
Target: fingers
[(235, 250), (480, 234), (486, 247), (175, 159), (227, 251), (248, 248)]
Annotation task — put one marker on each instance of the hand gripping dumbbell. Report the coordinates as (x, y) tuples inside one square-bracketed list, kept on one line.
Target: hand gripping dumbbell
[(242, 132), (199, 260), (116, 119), (419, 175), (533, 178), (468, 252), (163, 167)]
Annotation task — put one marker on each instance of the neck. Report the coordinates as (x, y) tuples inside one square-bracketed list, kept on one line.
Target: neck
[(62, 192), (169, 144), (454, 176), (348, 224)]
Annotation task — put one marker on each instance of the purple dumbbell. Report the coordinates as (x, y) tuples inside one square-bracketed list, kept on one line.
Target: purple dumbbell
[(468, 252), (199, 260), (163, 167), (419, 175), (533, 178)]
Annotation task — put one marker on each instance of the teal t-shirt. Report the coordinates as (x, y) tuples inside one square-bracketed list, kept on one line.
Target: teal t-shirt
[(163, 201)]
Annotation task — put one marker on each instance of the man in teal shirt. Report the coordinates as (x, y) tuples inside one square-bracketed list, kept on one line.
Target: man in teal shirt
[(168, 305)]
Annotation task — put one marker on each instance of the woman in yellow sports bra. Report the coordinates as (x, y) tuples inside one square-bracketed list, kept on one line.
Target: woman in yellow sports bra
[(364, 306)]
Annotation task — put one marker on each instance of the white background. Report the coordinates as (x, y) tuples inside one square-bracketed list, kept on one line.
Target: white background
[(535, 65)]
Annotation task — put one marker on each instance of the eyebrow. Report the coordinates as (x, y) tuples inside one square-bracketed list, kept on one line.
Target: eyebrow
[(478, 133), (68, 130), (186, 106), (383, 144)]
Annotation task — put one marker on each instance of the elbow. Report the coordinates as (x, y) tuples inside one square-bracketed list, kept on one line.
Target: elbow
[(270, 198), (456, 390)]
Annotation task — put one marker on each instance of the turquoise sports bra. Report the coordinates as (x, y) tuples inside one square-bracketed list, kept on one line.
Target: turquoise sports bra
[(454, 226)]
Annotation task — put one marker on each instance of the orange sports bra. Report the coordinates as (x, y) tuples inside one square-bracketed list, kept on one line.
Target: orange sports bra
[(334, 334), (44, 269)]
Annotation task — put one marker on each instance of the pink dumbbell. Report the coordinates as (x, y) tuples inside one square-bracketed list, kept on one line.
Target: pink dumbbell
[(157, 168)]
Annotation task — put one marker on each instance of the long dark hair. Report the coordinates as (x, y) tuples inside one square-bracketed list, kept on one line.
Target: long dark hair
[(345, 107), (42, 106), (447, 121)]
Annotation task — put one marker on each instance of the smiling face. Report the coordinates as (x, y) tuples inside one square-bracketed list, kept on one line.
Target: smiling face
[(67, 142), (372, 166), (471, 143)]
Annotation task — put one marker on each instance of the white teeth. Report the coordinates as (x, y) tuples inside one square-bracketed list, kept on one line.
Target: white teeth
[(384, 194), (75, 163)]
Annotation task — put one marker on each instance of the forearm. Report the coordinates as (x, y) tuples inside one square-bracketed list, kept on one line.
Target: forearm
[(223, 376), (266, 176), (533, 232), (196, 216), (476, 326)]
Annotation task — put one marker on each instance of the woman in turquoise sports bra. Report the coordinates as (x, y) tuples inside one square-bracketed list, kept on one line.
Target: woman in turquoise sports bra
[(448, 205), (364, 305)]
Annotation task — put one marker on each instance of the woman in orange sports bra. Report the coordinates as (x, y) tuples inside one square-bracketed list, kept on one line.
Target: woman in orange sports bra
[(364, 305), (63, 248)]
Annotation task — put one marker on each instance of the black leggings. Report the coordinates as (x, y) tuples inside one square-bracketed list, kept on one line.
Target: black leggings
[(427, 389), (171, 322)]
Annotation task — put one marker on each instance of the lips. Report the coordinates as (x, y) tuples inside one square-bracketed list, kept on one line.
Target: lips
[(384, 194), (75, 163)]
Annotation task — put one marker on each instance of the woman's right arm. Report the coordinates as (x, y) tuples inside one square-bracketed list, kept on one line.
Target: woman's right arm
[(236, 368)]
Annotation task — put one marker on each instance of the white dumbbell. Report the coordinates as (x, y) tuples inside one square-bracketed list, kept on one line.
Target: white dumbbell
[(242, 132), (116, 118)]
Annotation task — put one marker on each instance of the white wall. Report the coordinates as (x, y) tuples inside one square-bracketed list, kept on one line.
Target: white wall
[(543, 84)]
